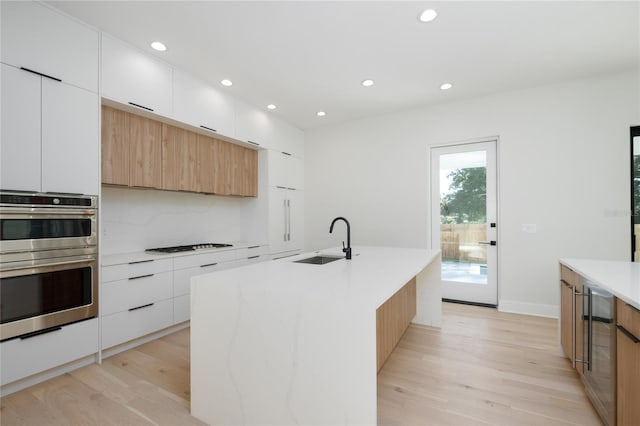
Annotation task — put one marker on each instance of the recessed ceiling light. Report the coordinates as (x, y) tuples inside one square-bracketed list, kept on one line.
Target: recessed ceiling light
[(428, 15), (446, 86), (159, 46), (271, 106), (321, 113), (226, 82), (367, 83)]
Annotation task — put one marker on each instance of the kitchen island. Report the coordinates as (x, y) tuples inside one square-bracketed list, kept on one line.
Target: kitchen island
[(281, 342)]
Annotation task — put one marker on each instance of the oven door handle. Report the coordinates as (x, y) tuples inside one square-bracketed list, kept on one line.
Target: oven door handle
[(48, 212), (49, 265)]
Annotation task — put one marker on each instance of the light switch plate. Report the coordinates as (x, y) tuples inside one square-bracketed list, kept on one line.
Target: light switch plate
[(529, 228)]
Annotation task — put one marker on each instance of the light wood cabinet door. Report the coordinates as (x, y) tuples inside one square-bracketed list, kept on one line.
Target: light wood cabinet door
[(566, 322), (206, 164), (115, 146), (145, 138), (250, 173), (392, 319), (179, 159), (628, 379)]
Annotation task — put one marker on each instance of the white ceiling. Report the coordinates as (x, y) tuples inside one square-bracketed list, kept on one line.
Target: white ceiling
[(306, 56)]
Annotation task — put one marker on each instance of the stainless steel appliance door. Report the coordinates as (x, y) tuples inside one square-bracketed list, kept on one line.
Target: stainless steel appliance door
[(600, 350), (37, 298), (45, 229)]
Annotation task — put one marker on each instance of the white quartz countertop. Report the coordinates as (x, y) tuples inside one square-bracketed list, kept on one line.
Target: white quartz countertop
[(138, 256), (287, 343), (622, 279), (372, 275)]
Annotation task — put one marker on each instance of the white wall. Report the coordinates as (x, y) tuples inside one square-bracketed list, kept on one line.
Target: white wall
[(135, 219), (563, 165)]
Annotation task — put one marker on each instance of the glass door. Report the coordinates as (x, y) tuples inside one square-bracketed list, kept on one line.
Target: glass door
[(635, 194), (464, 220)]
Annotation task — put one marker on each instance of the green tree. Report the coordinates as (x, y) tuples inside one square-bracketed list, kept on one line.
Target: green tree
[(466, 203)]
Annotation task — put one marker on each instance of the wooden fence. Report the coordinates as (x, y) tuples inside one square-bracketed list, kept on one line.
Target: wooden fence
[(459, 241)]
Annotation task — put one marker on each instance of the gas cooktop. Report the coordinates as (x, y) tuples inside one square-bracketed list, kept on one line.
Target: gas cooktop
[(191, 247)]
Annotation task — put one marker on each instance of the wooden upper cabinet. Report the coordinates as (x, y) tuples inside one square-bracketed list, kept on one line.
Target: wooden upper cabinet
[(145, 144), (179, 159), (115, 146), (206, 163), (138, 151), (250, 166)]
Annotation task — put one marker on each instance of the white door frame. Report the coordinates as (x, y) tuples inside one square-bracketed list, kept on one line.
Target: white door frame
[(435, 245)]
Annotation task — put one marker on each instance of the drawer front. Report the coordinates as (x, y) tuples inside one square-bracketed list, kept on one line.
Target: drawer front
[(122, 295), (251, 252), (181, 309), (628, 317), (192, 261), (128, 325), (182, 277), (136, 269), (22, 358)]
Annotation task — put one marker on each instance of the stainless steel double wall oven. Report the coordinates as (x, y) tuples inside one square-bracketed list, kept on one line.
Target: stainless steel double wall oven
[(48, 262)]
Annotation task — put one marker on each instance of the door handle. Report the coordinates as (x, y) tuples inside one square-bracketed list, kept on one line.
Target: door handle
[(488, 243)]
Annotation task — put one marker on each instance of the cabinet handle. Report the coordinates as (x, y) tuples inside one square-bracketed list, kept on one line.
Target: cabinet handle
[(632, 307), (574, 294), (141, 276), (39, 332), (285, 153), (281, 187), (140, 261), (140, 307), (285, 221), (209, 128), (628, 334), (253, 257), (253, 247), (41, 74), (254, 143), (209, 264), (141, 106)]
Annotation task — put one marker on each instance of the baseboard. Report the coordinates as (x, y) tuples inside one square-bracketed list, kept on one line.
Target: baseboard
[(106, 353), (536, 309), (21, 384)]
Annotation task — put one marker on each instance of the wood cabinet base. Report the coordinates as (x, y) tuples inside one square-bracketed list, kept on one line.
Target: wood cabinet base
[(392, 319)]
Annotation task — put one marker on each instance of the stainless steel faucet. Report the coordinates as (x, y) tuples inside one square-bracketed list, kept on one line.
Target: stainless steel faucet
[(346, 249)]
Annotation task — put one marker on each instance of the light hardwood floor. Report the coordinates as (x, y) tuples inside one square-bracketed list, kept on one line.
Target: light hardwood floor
[(483, 367)]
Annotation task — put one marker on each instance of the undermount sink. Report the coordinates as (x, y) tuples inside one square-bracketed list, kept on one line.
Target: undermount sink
[(319, 260)]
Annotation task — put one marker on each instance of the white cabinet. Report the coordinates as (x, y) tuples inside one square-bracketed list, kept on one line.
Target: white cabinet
[(286, 220), (131, 77), (70, 139), (50, 135), (253, 125), (136, 300), (286, 138), (285, 170), (129, 325), (200, 105), (45, 41), (24, 357), (21, 154)]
